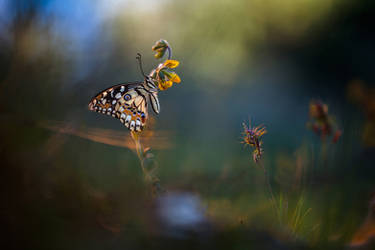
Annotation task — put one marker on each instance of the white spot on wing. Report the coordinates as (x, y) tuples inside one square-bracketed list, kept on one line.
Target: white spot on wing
[(118, 95), (132, 125), (128, 118), (138, 125)]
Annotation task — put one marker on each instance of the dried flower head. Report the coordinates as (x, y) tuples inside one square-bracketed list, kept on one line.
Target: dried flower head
[(252, 137), (321, 122)]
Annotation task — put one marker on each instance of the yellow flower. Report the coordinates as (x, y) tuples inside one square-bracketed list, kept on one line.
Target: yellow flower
[(163, 74), (165, 77), (171, 64), (164, 85)]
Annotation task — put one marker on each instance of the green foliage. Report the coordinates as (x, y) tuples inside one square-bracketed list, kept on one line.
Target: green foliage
[(294, 219)]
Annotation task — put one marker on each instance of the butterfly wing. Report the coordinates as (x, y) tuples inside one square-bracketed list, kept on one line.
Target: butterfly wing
[(154, 100), (126, 102)]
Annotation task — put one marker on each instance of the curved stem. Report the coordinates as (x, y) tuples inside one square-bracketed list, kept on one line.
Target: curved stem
[(169, 52)]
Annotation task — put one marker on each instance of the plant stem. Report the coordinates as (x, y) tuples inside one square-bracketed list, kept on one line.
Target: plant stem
[(139, 150), (169, 52), (156, 187), (266, 177)]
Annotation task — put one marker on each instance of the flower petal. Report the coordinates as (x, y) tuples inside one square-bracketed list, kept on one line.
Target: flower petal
[(159, 54), (161, 44), (171, 63), (176, 78), (163, 85), (170, 76)]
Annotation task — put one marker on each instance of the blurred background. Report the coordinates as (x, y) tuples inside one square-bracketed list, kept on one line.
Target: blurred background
[(70, 178)]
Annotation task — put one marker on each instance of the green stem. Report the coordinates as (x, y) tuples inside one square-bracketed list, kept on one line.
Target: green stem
[(266, 177)]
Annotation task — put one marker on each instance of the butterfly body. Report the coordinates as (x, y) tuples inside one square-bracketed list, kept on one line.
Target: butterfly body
[(128, 102)]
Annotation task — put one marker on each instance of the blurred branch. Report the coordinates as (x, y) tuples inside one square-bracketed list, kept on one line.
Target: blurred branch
[(148, 165)]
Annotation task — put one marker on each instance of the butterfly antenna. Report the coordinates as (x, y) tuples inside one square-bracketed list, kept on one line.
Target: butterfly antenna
[(139, 58)]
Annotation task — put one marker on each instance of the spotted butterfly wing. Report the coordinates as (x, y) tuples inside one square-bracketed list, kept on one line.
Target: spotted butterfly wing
[(126, 102)]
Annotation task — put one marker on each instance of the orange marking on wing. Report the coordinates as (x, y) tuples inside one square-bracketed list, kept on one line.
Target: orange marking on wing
[(105, 106), (143, 120), (127, 112)]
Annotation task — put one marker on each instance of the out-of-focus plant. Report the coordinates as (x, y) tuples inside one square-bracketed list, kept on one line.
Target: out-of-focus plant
[(291, 170), (294, 216), (366, 232), (321, 122), (291, 220), (364, 97), (252, 137), (294, 220)]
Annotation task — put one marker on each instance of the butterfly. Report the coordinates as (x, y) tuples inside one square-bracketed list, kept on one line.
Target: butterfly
[(128, 101)]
